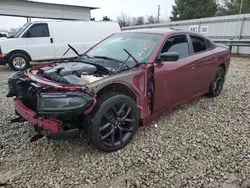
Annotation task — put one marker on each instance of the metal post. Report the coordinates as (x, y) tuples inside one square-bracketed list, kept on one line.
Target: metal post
[(158, 15), (241, 4), (240, 32), (28, 19)]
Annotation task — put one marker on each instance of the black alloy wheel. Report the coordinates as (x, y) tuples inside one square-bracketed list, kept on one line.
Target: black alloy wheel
[(218, 82), (117, 125), (114, 123)]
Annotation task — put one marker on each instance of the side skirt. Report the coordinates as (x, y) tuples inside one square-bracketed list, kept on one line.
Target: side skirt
[(154, 116)]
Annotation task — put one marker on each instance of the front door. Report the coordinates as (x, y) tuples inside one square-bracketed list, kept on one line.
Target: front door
[(174, 81), (39, 42)]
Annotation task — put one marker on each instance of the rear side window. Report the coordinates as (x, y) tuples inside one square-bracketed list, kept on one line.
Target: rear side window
[(177, 43), (199, 44), (208, 44), (37, 30)]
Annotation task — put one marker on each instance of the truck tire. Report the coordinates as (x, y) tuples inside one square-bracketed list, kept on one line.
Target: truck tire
[(18, 62), (113, 122)]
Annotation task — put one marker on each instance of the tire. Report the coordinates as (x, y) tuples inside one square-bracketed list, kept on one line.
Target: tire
[(108, 130), (218, 82), (18, 62)]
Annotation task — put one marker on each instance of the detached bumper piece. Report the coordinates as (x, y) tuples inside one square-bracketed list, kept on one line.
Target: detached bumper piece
[(63, 103)]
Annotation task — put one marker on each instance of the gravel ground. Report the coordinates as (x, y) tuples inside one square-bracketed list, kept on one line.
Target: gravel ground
[(192, 146)]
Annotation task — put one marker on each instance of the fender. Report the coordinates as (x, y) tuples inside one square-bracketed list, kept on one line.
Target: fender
[(17, 51)]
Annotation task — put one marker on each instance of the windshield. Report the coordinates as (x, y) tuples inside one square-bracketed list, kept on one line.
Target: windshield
[(21, 30), (140, 45)]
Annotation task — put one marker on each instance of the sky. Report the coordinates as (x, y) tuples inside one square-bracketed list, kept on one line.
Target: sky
[(110, 8)]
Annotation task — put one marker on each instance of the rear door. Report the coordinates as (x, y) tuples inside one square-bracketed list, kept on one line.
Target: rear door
[(174, 81), (205, 62), (39, 42)]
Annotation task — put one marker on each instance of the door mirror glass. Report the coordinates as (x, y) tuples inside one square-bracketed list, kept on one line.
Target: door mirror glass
[(169, 56)]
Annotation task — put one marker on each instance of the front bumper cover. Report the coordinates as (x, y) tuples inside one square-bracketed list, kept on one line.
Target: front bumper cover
[(50, 128), (52, 125), (48, 120)]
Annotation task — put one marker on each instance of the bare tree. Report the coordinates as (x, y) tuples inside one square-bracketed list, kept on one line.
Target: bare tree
[(106, 18), (133, 21), (140, 20), (152, 19), (123, 20)]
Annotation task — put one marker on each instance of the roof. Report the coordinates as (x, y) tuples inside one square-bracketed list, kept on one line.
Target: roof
[(151, 30), (32, 1)]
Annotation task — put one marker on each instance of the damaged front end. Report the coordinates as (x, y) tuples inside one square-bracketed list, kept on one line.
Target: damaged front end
[(55, 111)]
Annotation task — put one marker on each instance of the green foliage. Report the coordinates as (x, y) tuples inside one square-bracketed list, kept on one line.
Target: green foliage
[(232, 7), (193, 9)]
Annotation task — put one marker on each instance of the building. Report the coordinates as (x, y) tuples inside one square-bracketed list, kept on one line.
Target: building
[(32, 9)]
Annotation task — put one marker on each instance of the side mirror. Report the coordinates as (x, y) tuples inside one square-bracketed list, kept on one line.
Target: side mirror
[(169, 56)]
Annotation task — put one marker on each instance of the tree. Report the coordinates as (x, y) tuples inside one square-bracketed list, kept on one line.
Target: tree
[(123, 20), (232, 7), (140, 20), (152, 19), (193, 9), (106, 18)]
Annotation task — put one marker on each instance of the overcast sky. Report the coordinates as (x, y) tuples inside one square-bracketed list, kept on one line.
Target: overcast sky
[(111, 8)]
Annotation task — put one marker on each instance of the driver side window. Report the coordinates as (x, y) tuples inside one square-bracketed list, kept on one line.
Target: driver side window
[(37, 31), (177, 43)]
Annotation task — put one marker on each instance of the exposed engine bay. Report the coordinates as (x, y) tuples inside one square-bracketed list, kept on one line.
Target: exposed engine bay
[(75, 73), (85, 69)]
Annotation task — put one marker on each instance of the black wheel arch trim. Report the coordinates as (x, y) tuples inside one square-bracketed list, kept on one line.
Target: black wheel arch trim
[(17, 51)]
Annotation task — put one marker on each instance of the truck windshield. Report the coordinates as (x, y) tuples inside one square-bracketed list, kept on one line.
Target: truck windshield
[(140, 45), (21, 30)]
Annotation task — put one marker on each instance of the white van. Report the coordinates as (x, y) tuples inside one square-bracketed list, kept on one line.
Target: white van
[(43, 41)]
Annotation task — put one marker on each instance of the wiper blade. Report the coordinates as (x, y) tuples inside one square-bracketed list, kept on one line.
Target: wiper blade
[(108, 58), (125, 62), (130, 55), (86, 55)]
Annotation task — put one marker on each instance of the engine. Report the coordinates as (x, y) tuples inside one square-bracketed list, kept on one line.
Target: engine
[(75, 73)]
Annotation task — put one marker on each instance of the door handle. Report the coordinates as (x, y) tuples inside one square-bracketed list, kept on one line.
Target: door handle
[(51, 40)]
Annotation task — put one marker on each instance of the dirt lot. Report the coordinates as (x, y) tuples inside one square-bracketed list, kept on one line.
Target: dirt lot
[(192, 146)]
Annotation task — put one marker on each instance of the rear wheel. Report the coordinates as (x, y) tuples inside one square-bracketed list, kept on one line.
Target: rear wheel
[(217, 85), (114, 122), (18, 62)]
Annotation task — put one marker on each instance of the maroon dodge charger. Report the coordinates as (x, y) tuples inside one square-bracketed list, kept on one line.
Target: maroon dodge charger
[(126, 80)]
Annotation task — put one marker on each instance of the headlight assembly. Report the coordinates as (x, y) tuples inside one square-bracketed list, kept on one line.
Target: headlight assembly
[(63, 102)]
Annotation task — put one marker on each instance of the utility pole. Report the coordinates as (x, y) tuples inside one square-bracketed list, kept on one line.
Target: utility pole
[(241, 4), (158, 15)]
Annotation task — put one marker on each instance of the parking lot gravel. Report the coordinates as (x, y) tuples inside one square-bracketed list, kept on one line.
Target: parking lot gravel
[(204, 143)]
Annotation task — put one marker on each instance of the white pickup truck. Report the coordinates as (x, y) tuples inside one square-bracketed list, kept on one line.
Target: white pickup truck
[(48, 40)]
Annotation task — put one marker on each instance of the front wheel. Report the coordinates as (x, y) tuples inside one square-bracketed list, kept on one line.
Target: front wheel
[(217, 85), (18, 62), (114, 122)]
